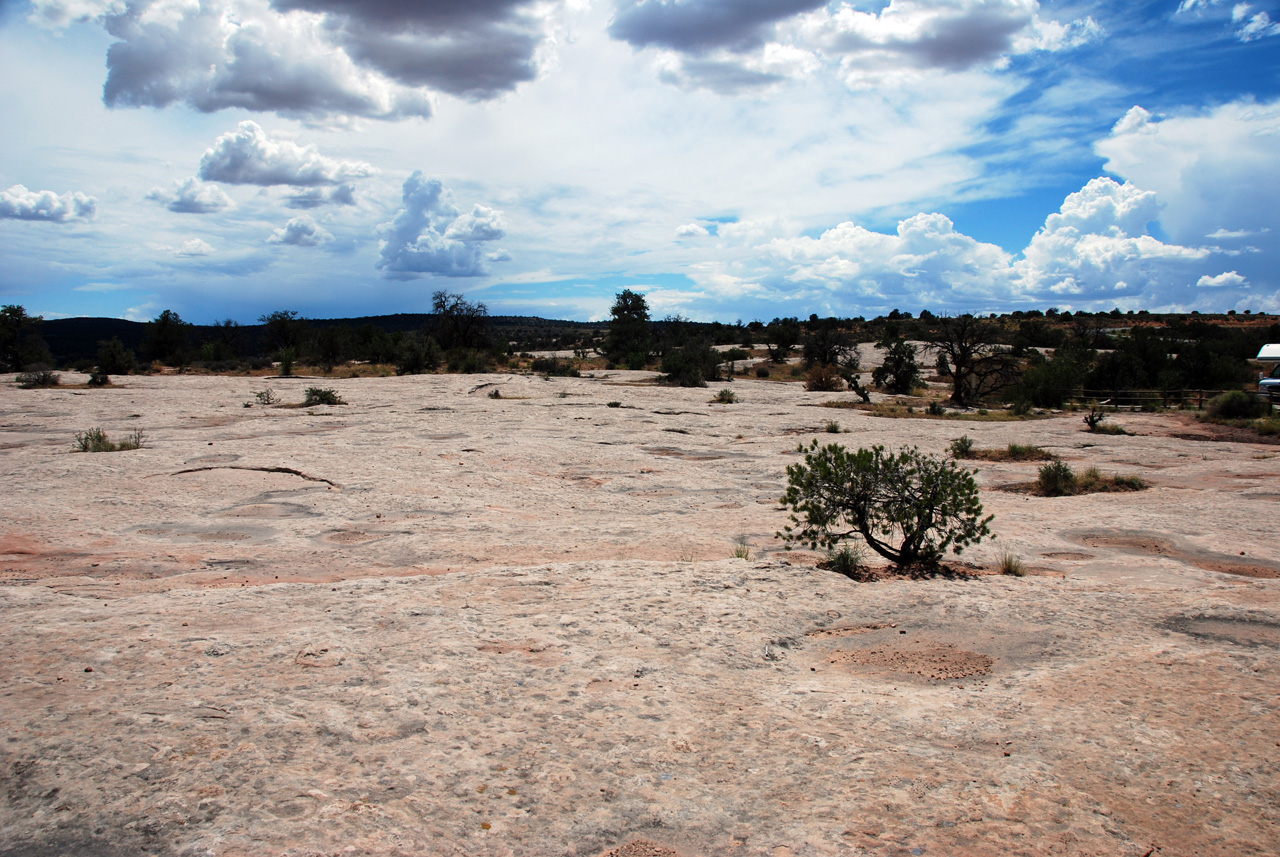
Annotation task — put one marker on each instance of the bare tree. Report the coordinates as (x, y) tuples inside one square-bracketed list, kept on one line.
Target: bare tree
[(979, 363)]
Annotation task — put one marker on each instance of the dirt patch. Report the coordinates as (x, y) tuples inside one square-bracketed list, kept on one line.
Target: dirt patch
[(932, 661), (642, 848), (828, 633)]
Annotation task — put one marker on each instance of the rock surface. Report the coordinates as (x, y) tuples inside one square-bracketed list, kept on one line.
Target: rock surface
[(434, 622)]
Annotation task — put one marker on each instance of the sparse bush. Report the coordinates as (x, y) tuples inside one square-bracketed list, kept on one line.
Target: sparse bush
[(962, 446), (287, 358), (38, 378), (824, 379), (1056, 479), (832, 427), (1236, 405), (1012, 565), (114, 358), (909, 507), (99, 379), (725, 397), (1092, 481), (554, 368), (266, 397), (1094, 418), (846, 560), (1023, 452), (96, 440), (742, 548), (321, 396), (936, 409), (762, 371)]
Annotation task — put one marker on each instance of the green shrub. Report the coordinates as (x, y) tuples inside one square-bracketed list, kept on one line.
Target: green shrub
[(725, 397), (936, 409), (909, 507), (1236, 405), (692, 365), (266, 397), (287, 358), (846, 560), (832, 427), (742, 548), (96, 440), (1056, 479), (962, 446), (321, 396), (762, 371), (99, 379), (38, 378), (114, 358)]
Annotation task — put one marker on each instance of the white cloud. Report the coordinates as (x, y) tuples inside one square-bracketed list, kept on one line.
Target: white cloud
[(1098, 244), (429, 236), (191, 196), (1214, 173), (248, 156), (18, 203), (692, 230), (1223, 280), (194, 247), (301, 231), (1257, 27)]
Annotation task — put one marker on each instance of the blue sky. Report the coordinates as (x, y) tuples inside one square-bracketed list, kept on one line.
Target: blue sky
[(731, 159)]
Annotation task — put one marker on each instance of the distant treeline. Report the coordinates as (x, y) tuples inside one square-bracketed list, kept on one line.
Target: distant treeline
[(1037, 357)]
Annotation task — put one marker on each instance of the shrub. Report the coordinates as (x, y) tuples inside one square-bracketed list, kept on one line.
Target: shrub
[(266, 397), (742, 548), (39, 378), (824, 379), (691, 366), (321, 396), (725, 397), (962, 446), (287, 358), (762, 371), (1236, 405), (495, 393), (99, 379), (1092, 481), (1056, 479), (1012, 565), (936, 409), (96, 440), (832, 427), (554, 367), (114, 358), (1094, 418), (909, 507), (1023, 452), (846, 560)]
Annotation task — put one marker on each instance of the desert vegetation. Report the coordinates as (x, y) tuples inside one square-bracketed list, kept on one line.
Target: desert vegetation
[(909, 507), (1057, 479), (96, 440)]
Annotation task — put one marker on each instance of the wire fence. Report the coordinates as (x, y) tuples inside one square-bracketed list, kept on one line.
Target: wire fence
[(1159, 399)]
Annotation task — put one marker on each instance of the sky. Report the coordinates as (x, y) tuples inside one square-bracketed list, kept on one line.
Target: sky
[(728, 159)]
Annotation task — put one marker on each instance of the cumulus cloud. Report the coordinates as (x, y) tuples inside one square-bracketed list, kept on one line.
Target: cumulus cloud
[(18, 203), (313, 58), (430, 236), (300, 231), (248, 156), (316, 197), (194, 247), (691, 230), (191, 196), (1098, 245), (1226, 279), (728, 46), (1095, 250), (698, 26), (1213, 169)]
